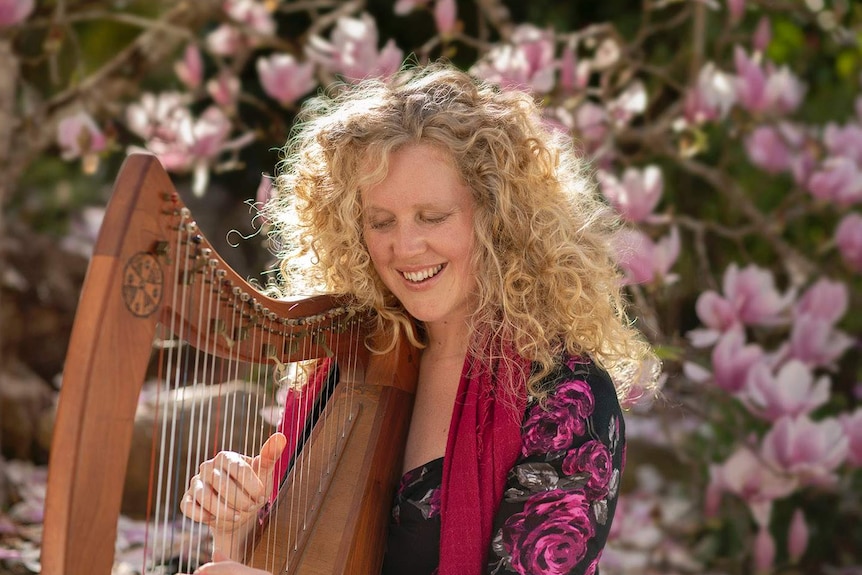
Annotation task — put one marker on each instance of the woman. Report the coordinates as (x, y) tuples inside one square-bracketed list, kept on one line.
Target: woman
[(445, 207)]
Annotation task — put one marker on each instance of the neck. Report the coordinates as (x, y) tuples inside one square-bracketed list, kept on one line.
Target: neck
[(447, 339)]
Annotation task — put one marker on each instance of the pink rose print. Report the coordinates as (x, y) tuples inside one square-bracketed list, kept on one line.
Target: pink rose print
[(575, 396), (594, 458), (548, 432), (550, 535), (554, 428), (434, 503)]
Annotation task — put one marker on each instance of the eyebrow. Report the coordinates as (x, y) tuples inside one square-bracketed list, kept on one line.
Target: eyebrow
[(426, 206)]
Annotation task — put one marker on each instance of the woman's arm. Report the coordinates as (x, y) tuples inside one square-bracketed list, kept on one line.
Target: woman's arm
[(562, 492)]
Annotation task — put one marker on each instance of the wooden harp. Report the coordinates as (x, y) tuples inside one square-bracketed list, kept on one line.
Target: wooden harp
[(154, 278)]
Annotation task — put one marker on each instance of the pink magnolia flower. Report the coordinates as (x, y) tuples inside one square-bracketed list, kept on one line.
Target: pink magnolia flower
[(224, 88), (526, 62), (844, 140), (207, 136), (736, 10), (816, 342), (14, 12), (760, 91), (752, 292), (574, 74), (182, 145), (852, 424), (181, 141), (285, 79), (750, 298), (445, 16), (645, 261), (814, 339), (352, 50), (190, 70), (797, 536), (591, 122), (789, 391), (784, 91), (226, 40), (750, 81), (810, 451), (629, 104), (838, 180), (712, 96), (733, 360), (827, 300), (768, 149), (848, 238), (252, 14), (637, 194), (157, 115), (717, 314), (762, 35), (804, 163), (764, 551), (747, 476), (78, 135)]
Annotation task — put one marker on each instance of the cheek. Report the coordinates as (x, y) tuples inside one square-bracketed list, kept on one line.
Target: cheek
[(375, 249), (377, 254)]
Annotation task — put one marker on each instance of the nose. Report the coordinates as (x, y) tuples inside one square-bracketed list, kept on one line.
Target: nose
[(408, 241)]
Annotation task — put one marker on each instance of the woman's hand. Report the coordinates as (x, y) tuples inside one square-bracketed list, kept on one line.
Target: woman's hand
[(230, 488), (222, 565)]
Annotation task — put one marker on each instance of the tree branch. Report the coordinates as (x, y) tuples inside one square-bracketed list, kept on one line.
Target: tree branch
[(104, 87), (799, 268)]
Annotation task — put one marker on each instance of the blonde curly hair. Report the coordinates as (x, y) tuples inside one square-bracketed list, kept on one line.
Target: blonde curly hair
[(545, 275)]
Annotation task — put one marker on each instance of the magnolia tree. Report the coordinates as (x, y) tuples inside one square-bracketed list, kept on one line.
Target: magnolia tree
[(727, 134)]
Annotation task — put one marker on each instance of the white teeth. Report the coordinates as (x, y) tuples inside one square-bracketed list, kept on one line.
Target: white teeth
[(423, 275)]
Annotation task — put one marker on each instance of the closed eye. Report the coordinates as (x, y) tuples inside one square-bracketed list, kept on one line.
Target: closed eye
[(434, 218), (379, 224)]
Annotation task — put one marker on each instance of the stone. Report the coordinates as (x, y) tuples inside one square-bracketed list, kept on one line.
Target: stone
[(24, 399)]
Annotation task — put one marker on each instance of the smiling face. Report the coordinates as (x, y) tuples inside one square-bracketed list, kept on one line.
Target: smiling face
[(418, 226)]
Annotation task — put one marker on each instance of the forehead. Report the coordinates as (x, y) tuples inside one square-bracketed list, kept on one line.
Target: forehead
[(415, 174)]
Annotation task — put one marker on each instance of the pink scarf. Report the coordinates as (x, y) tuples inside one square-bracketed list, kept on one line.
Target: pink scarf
[(484, 442)]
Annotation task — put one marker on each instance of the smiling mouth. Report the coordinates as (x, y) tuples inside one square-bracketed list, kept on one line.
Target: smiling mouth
[(422, 275)]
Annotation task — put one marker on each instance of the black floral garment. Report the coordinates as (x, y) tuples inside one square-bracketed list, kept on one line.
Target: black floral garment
[(561, 493)]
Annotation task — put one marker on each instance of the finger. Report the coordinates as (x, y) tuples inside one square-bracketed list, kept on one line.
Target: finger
[(225, 511), (192, 509), (233, 479), (270, 453)]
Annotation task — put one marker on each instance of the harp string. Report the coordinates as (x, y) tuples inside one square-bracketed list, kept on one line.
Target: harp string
[(208, 327), (303, 396), (196, 409), (179, 423), (278, 371), (159, 548), (149, 530), (172, 539)]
